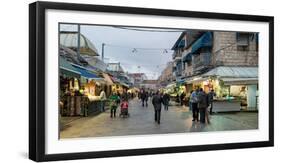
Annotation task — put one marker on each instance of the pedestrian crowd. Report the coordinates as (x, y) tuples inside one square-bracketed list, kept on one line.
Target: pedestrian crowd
[(201, 104), (157, 99), (116, 99)]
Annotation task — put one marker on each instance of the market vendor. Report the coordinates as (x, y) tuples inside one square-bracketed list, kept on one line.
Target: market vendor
[(103, 99)]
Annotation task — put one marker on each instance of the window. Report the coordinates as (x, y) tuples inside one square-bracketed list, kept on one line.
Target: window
[(242, 41)]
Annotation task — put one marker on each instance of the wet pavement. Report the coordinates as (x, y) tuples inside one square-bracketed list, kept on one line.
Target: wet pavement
[(178, 119)]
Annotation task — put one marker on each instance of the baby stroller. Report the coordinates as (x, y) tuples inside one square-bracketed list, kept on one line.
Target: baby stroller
[(124, 109)]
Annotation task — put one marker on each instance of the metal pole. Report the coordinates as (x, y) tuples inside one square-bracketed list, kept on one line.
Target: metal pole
[(78, 40), (102, 51)]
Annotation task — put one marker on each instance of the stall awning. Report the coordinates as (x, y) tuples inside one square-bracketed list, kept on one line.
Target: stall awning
[(181, 81), (115, 80), (124, 84), (195, 80), (233, 72), (86, 73), (239, 81), (67, 69), (107, 79)]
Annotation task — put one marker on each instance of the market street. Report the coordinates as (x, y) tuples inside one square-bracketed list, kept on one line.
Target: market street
[(177, 119)]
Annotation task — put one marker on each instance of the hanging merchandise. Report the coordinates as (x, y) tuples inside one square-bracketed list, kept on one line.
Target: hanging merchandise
[(76, 84), (71, 84)]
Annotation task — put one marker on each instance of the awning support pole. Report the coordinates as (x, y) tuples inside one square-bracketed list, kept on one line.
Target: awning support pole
[(78, 40)]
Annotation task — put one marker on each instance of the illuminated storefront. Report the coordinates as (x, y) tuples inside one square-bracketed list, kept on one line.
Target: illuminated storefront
[(235, 87)]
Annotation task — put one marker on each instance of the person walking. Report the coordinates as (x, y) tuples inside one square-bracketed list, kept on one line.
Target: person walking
[(207, 114), (202, 104), (211, 95), (194, 103), (177, 98), (182, 96), (119, 97), (166, 100), (146, 98), (189, 102), (157, 104), (114, 98), (103, 99), (143, 97), (125, 96)]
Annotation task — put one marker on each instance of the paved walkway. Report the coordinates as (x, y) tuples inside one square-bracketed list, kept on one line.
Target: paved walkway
[(177, 119)]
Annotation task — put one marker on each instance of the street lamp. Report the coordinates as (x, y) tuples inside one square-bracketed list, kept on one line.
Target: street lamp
[(102, 51)]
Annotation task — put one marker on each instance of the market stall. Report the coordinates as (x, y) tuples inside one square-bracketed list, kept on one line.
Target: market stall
[(70, 97), (80, 95), (175, 90), (235, 87)]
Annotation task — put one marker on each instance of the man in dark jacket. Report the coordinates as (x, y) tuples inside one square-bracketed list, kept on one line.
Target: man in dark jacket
[(166, 99), (202, 104), (146, 98), (182, 96), (157, 103), (211, 98), (143, 97)]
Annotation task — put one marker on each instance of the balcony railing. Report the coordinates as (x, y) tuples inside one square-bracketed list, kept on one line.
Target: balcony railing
[(201, 60), (176, 54), (178, 73)]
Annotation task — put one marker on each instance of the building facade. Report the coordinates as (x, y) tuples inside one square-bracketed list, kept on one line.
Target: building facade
[(235, 49), (149, 84), (166, 76), (196, 52), (138, 78), (115, 67), (226, 62)]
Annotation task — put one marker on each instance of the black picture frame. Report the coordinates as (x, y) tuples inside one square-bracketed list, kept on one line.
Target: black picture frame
[(37, 79)]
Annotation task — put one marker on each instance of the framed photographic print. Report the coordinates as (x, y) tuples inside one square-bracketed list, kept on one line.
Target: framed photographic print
[(108, 81)]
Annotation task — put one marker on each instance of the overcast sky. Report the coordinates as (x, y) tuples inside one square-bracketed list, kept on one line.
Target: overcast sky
[(119, 44)]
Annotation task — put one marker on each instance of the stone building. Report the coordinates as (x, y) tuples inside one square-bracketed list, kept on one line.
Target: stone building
[(226, 62), (196, 52), (166, 75), (181, 68), (234, 49)]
